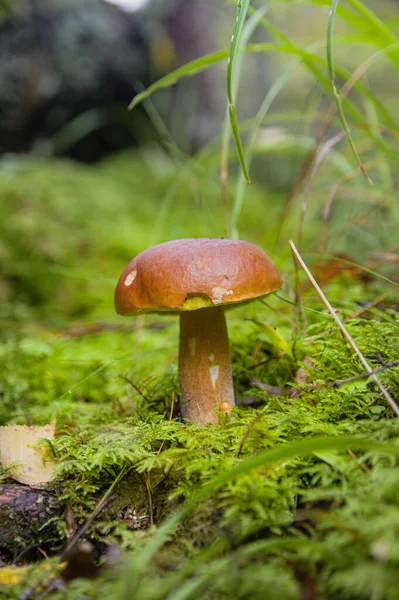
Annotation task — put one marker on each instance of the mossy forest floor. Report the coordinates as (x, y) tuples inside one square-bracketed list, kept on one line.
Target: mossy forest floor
[(280, 500)]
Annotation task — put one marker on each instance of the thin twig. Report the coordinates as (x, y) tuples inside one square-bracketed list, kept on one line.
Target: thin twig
[(359, 462), (286, 391), (273, 390), (364, 362), (341, 382), (135, 387), (105, 500), (380, 359)]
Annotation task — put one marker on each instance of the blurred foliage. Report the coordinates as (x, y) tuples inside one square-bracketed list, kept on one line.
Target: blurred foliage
[(321, 524)]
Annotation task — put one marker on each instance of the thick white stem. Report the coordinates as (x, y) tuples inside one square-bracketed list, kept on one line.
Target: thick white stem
[(204, 364)]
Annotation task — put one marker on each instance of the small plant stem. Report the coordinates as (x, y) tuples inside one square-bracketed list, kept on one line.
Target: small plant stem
[(362, 465), (172, 406), (149, 492), (242, 8), (364, 362)]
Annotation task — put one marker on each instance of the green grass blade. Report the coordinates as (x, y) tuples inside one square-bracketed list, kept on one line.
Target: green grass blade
[(376, 25), (236, 135), (191, 68), (241, 13), (188, 70), (255, 126), (247, 32), (331, 71), (316, 64)]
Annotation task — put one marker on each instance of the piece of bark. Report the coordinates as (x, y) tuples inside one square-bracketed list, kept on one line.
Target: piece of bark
[(24, 512)]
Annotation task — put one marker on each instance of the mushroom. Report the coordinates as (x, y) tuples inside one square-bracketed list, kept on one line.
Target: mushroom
[(198, 278)]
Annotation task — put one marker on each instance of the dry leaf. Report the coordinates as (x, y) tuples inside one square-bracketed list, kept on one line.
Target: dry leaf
[(27, 461), (337, 266)]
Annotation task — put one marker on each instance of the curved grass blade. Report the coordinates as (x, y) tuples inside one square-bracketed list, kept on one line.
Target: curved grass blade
[(311, 61), (236, 135), (241, 13), (247, 32), (189, 589), (192, 68), (188, 70)]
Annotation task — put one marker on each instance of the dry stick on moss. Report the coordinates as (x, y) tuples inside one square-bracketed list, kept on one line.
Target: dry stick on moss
[(364, 362), (340, 383), (286, 391)]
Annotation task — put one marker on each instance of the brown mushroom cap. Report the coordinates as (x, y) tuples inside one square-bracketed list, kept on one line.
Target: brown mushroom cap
[(189, 274)]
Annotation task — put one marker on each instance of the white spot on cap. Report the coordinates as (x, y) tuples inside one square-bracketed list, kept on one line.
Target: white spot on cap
[(218, 294), (214, 373), (192, 342), (131, 277), (211, 357)]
